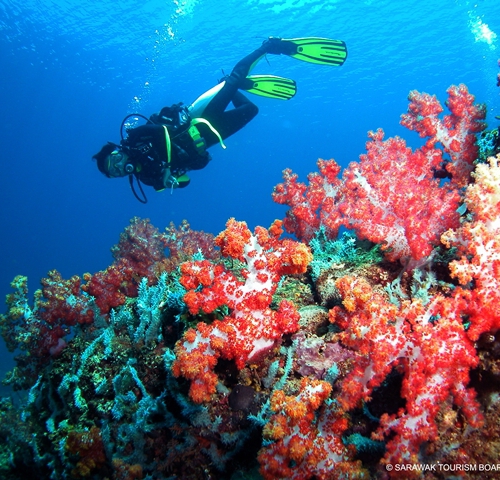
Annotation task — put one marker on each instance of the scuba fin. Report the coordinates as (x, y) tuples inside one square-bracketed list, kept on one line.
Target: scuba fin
[(270, 86), (323, 51)]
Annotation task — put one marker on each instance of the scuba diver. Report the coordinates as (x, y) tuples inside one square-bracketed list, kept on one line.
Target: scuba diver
[(175, 141)]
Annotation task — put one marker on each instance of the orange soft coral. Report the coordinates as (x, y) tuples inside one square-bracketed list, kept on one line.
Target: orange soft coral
[(427, 343), (305, 437)]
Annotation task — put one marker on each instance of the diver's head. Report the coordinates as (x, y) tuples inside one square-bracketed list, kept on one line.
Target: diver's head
[(113, 162)]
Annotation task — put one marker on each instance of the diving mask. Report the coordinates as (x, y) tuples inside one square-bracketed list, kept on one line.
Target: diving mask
[(117, 165)]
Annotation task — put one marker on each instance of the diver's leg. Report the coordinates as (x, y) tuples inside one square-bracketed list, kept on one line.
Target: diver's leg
[(230, 121), (240, 100), (218, 98)]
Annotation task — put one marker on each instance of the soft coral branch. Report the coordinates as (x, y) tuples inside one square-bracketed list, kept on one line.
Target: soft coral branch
[(252, 327), (392, 198), (456, 131)]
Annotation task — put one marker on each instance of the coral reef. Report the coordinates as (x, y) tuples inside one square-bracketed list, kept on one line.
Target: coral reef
[(38, 332), (373, 353)]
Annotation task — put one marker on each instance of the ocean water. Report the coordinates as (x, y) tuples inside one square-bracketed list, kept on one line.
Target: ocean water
[(71, 71)]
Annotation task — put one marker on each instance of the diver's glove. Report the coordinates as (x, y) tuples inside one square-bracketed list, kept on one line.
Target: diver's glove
[(170, 181)]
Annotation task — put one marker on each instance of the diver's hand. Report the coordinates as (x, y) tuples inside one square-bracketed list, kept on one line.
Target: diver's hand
[(169, 181), (167, 175)]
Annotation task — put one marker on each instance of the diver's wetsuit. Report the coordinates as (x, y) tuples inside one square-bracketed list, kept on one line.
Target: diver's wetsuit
[(147, 149), (146, 144)]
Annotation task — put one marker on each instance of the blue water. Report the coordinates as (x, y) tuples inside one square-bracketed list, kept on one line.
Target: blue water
[(71, 70)]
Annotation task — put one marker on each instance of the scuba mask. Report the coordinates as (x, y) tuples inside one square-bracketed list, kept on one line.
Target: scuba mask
[(117, 164)]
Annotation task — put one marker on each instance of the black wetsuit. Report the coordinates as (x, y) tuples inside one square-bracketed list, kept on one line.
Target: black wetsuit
[(146, 147)]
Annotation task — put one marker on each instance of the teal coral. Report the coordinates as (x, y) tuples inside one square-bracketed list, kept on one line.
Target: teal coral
[(347, 249), (488, 144), (150, 302)]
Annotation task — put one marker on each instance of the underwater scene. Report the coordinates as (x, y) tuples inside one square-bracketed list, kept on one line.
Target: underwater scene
[(250, 239)]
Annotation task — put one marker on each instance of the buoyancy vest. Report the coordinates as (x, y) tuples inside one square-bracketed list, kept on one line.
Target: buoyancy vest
[(182, 130)]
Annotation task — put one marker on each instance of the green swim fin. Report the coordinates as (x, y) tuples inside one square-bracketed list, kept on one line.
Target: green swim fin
[(270, 86), (323, 51)]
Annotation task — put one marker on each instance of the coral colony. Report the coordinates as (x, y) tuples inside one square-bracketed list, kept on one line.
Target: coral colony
[(365, 344)]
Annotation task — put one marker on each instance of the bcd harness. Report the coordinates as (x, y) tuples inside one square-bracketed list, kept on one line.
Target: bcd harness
[(198, 142)]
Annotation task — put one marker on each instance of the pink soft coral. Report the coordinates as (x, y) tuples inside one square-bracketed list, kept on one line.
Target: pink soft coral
[(478, 245), (456, 131), (392, 196)]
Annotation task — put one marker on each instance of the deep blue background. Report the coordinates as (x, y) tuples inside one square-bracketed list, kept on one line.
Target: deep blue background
[(72, 70)]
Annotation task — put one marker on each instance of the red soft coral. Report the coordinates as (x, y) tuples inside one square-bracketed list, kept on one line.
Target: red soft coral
[(456, 131), (183, 243), (139, 253), (391, 197), (252, 327), (312, 205)]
